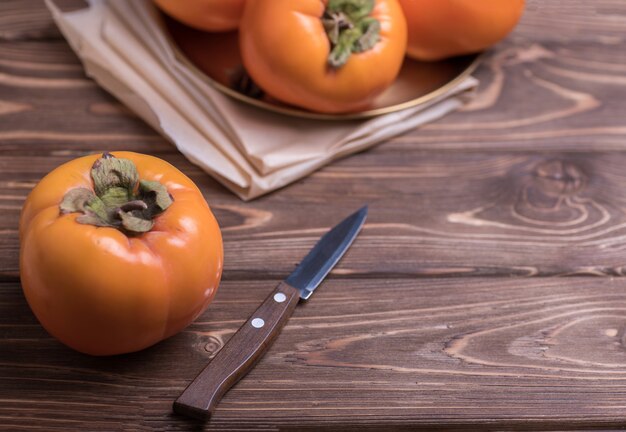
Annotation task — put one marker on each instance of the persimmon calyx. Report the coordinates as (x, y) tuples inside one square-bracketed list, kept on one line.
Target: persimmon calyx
[(350, 29), (119, 199)]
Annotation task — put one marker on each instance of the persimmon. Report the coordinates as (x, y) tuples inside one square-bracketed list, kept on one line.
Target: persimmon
[(445, 28), (328, 56), (207, 15), (117, 252)]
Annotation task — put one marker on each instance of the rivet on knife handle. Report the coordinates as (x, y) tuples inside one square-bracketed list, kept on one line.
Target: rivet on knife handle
[(239, 355)]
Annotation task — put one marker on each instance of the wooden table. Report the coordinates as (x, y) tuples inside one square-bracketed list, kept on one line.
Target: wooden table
[(486, 290)]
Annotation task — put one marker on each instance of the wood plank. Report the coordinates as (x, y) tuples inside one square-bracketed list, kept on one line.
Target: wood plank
[(576, 20), (472, 353), (533, 96), (431, 214), (30, 19)]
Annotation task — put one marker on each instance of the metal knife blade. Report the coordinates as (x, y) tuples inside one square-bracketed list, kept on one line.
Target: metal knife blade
[(254, 338), (326, 253)]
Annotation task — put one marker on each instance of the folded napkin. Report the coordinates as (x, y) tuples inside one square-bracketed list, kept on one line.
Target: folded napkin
[(249, 150)]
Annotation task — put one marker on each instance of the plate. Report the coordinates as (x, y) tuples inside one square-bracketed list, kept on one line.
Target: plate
[(217, 57)]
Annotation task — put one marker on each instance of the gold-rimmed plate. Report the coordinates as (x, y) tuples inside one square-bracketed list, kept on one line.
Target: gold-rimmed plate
[(217, 57)]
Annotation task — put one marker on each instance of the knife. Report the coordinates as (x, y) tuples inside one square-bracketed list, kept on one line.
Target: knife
[(253, 339)]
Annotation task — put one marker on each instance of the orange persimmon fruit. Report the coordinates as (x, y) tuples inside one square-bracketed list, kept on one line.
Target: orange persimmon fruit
[(329, 56), (117, 252), (444, 28), (207, 15)]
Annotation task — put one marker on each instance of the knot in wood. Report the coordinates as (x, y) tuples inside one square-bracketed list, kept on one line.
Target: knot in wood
[(559, 178), (213, 345)]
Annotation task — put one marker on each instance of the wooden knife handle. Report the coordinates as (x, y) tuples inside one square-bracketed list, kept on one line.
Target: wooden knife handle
[(239, 355)]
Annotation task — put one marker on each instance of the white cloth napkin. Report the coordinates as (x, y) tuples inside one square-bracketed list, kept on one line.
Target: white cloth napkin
[(249, 150)]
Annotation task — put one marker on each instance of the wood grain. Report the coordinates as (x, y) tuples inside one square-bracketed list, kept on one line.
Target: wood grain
[(446, 312), (237, 357), (522, 214), (498, 353), (542, 110), (29, 19)]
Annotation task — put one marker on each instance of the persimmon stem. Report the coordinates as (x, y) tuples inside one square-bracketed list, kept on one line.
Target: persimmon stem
[(119, 199), (350, 29)]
